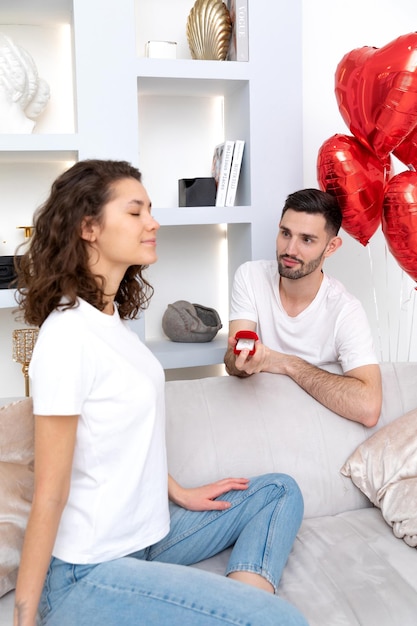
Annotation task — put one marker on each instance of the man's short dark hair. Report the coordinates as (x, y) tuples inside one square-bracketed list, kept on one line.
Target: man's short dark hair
[(314, 201)]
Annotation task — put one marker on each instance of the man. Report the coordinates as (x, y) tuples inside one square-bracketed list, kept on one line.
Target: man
[(304, 318)]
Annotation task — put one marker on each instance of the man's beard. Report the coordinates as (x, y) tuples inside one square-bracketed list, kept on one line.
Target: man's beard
[(304, 270)]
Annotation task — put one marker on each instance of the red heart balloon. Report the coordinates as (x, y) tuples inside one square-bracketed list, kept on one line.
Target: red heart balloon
[(376, 91), (407, 150), (399, 220), (356, 177)]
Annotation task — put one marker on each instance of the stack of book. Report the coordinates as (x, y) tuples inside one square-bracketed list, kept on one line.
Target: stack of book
[(227, 162)]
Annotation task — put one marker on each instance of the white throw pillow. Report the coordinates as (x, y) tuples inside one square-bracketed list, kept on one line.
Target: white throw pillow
[(384, 468)]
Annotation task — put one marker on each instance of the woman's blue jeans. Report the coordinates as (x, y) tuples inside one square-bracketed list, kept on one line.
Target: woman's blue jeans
[(152, 586)]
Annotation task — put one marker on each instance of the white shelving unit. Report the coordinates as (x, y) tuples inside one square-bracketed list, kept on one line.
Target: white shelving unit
[(166, 116), (7, 298)]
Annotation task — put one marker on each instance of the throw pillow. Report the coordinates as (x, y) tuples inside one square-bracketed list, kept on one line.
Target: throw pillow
[(384, 468), (16, 485)]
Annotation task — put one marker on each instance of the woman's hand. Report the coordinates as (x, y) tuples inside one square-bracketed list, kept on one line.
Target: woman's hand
[(203, 498)]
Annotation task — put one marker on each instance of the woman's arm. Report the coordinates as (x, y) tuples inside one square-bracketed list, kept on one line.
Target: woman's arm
[(54, 449), (203, 498)]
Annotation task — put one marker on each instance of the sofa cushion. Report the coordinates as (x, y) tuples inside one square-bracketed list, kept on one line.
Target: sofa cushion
[(384, 468), (16, 485), (228, 426), (350, 570), (347, 570)]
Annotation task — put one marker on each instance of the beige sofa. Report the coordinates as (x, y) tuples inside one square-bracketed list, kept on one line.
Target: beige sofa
[(353, 563)]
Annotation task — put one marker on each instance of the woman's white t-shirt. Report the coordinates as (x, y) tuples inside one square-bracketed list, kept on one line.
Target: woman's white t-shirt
[(93, 365), (333, 328)]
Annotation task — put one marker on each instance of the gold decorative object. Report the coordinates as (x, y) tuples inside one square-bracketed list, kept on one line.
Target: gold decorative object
[(24, 341), (208, 30), (27, 231)]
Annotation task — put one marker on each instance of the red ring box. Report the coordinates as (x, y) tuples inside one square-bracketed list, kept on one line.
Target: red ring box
[(249, 336)]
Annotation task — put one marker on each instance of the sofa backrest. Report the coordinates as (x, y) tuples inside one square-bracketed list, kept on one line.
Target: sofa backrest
[(226, 426)]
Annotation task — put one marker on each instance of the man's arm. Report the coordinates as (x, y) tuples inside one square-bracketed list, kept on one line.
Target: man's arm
[(355, 395)]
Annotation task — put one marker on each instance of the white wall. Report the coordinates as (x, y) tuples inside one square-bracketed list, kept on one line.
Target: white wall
[(330, 30)]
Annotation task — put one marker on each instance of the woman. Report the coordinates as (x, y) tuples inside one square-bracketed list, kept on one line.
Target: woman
[(102, 544)]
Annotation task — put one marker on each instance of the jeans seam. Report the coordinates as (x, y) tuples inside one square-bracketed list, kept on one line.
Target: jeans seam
[(190, 606), (267, 552), (178, 538), (263, 569)]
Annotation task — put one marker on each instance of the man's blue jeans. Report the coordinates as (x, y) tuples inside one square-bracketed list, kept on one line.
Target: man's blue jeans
[(152, 586)]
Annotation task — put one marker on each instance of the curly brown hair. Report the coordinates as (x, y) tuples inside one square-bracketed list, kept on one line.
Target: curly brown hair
[(55, 265)]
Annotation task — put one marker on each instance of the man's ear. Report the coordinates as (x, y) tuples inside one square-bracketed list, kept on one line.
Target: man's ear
[(333, 245), (88, 229)]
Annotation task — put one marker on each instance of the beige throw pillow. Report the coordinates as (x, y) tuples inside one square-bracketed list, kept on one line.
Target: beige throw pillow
[(384, 468), (16, 485)]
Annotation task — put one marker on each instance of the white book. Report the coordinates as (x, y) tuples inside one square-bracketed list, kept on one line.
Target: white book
[(223, 153), (239, 41), (234, 172)]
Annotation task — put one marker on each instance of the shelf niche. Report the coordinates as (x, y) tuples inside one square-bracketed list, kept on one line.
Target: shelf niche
[(44, 30), (180, 121), (150, 26), (24, 185)]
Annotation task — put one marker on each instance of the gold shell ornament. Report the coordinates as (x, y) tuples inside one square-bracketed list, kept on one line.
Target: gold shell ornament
[(208, 30)]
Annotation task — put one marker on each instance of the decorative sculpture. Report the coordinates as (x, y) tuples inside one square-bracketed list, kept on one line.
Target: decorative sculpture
[(209, 28), (23, 95)]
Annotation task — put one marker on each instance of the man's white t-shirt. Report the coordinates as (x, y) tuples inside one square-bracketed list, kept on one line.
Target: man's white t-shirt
[(333, 328), (93, 365)]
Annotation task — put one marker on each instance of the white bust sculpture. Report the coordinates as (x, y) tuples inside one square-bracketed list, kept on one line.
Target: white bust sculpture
[(23, 95)]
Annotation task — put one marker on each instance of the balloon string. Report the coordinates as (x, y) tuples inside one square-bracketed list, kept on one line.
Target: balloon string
[(378, 324), (402, 303), (413, 296), (387, 300), (400, 313), (407, 301)]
